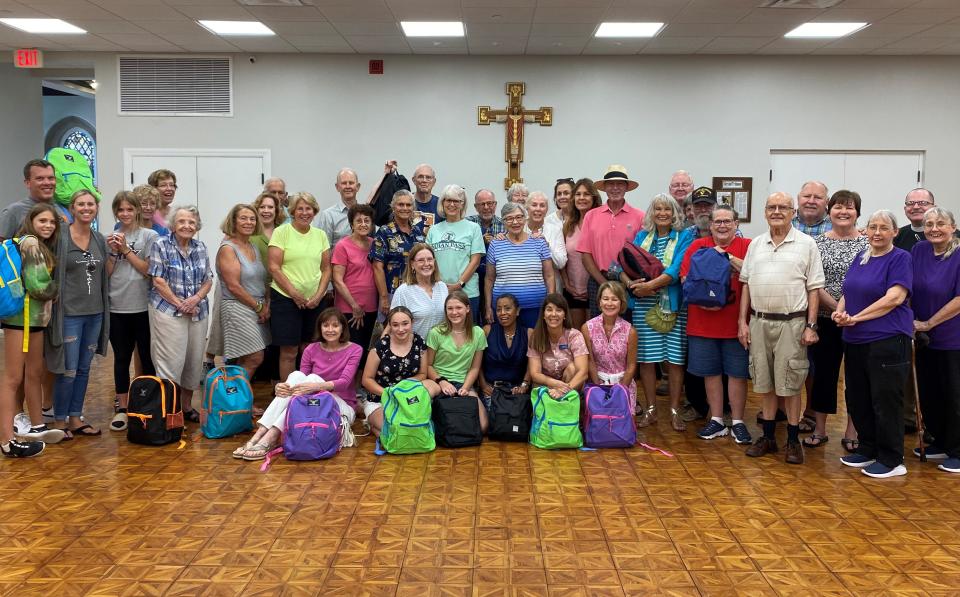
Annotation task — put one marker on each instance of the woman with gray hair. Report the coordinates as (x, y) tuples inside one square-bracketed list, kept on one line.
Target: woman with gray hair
[(182, 279), (392, 244), (877, 324), (936, 303), (659, 315), (458, 244), (511, 267), (518, 193)]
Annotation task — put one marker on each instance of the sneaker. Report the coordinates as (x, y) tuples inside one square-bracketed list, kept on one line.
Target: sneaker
[(18, 449), (951, 465), (21, 424), (878, 470), (856, 460), (687, 412), (762, 446), (793, 453), (348, 440), (119, 422), (740, 434), (47, 415), (42, 433), (932, 452), (712, 429)]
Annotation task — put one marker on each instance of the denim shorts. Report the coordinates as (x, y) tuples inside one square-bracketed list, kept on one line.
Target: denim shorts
[(717, 356)]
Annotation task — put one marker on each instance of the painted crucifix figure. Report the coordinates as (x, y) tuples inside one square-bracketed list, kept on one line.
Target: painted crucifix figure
[(514, 116)]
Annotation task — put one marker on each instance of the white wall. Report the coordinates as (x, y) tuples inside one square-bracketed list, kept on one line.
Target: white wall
[(57, 107), (712, 115), (21, 123)]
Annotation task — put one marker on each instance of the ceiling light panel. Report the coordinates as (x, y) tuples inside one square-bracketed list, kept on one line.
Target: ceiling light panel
[(42, 25), (237, 27), (432, 28), (825, 29), (629, 29)]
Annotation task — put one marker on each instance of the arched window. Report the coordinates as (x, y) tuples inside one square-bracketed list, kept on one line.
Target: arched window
[(81, 141)]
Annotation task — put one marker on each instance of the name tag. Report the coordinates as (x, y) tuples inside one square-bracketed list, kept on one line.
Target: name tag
[(564, 347)]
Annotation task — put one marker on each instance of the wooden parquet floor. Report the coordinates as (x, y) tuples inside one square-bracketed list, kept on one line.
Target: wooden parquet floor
[(98, 516)]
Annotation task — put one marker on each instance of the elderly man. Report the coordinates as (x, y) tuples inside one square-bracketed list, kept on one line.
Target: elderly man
[(781, 274), (681, 184), (333, 220), (485, 202), (278, 188), (41, 182), (426, 204), (605, 229), (811, 218)]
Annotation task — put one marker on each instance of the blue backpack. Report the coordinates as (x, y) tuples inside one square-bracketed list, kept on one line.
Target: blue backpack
[(227, 406), (608, 422), (708, 282), (13, 296), (313, 429)]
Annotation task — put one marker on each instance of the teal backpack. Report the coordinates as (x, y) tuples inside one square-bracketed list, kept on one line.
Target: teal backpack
[(73, 174), (556, 421), (407, 424)]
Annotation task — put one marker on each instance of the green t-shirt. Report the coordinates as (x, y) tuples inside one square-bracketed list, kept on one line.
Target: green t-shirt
[(302, 254), (452, 362), (454, 244)]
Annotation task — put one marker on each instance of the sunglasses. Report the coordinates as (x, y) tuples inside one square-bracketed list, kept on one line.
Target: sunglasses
[(570, 180)]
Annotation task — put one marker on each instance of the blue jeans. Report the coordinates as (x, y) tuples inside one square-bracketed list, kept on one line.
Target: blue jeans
[(80, 337)]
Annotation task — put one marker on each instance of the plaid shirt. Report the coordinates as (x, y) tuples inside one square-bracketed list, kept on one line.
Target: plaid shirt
[(496, 226), (813, 230), (184, 274), (391, 246)]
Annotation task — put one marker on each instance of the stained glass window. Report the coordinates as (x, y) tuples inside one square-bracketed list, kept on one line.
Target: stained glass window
[(81, 141)]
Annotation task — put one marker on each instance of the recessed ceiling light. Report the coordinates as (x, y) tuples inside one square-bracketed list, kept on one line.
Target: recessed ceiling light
[(432, 28), (628, 29), (237, 27), (825, 29), (42, 25)]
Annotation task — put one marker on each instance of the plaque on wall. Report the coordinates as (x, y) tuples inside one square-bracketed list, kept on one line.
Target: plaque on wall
[(737, 192)]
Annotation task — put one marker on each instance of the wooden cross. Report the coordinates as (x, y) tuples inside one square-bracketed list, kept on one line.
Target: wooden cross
[(514, 116)]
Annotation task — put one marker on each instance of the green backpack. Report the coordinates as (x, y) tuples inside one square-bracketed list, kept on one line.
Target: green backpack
[(407, 423), (73, 174), (556, 421)]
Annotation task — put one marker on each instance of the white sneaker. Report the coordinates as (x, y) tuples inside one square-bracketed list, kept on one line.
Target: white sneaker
[(43, 434), (347, 439), (21, 424)]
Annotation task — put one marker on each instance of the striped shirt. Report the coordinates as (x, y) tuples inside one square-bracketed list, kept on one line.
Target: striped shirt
[(519, 270), (185, 274)]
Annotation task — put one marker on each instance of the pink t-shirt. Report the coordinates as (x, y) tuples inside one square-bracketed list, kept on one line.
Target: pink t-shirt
[(560, 354), (338, 366), (576, 274), (358, 276), (604, 232)]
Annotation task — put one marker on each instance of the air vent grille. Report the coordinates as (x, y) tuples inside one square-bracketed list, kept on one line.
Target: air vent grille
[(175, 86)]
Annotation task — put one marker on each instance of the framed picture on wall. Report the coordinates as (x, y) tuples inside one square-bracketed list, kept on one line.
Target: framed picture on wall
[(737, 192)]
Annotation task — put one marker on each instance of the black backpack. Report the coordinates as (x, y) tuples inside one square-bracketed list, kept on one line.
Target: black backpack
[(456, 421), (391, 183), (510, 416), (155, 413)]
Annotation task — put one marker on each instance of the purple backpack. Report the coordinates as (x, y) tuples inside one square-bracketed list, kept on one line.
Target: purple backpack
[(313, 427), (608, 422)]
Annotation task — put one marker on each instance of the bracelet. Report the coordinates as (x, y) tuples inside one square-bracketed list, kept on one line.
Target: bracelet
[(259, 307)]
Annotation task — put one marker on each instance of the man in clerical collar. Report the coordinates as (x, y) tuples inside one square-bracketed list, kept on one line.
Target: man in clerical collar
[(425, 203), (811, 218), (917, 202)]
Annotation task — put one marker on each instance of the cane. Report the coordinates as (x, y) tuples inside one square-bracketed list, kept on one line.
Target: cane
[(916, 398)]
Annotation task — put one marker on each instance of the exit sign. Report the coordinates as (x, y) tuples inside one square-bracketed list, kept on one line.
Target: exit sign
[(28, 58)]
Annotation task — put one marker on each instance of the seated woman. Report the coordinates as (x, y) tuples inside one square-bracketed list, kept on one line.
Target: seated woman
[(612, 341), (399, 354), (454, 351), (329, 364), (558, 356), (504, 360)]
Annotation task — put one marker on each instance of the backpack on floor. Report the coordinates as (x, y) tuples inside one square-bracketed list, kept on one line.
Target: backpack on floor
[(312, 430), (154, 411), (708, 283), (456, 421), (608, 422), (556, 421), (510, 416), (227, 405), (407, 424), (73, 174)]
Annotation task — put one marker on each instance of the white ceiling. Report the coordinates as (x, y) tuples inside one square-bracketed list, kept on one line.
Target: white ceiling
[(510, 27)]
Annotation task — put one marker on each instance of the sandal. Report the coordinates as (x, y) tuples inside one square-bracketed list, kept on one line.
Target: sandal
[(85, 430), (238, 453), (850, 444), (119, 422), (646, 417), (807, 425), (257, 452), (191, 415), (815, 441), (676, 421)]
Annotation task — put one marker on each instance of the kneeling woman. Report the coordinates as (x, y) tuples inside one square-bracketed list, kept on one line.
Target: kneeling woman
[(398, 355), (504, 360), (454, 351), (329, 364), (558, 355)]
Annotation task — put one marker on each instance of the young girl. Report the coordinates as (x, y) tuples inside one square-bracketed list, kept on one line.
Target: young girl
[(399, 354), (558, 355), (454, 351), (40, 234), (330, 357)]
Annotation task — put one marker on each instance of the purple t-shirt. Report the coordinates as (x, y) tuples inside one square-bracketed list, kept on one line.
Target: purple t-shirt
[(936, 281), (865, 284)]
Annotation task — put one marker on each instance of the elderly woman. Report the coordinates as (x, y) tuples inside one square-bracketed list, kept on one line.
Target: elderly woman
[(299, 263), (612, 341), (356, 295), (271, 214), (182, 279), (422, 291), (557, 355), (552, 233), (877, 327), (562, 198), (459, 247), (518, 193), (936, 303), (511, 267), (391, 246), (838, 248), (574, 274), (659, 301)]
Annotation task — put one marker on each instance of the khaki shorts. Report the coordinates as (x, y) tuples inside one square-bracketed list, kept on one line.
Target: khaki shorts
[(778, 362)]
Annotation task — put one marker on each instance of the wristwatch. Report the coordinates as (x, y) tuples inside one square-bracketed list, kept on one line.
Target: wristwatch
[(813, 326)]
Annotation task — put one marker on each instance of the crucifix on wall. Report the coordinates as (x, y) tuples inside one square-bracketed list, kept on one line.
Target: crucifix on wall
[(514, 116)]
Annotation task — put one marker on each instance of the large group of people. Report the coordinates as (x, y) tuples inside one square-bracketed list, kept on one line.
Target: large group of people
[(469, 305)]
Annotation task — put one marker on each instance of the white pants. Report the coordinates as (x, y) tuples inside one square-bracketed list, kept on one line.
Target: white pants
[(177, 348), (276, 413)]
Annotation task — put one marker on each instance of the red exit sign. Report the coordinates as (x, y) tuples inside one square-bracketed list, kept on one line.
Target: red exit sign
[(28, 58)]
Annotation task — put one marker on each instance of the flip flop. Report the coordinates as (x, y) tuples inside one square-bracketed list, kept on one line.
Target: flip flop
[(85, 430), (815, 441)]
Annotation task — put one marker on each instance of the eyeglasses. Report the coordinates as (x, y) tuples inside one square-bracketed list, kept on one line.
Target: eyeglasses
[(680, 185), (723, 222), (917, 203), (513, 219), (423, 177), (776, 208)]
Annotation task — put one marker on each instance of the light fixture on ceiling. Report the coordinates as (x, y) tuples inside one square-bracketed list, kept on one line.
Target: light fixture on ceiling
[(825, 29), (628, 29), (42, 25), (432, 28), (236, 27), (94, 84)]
